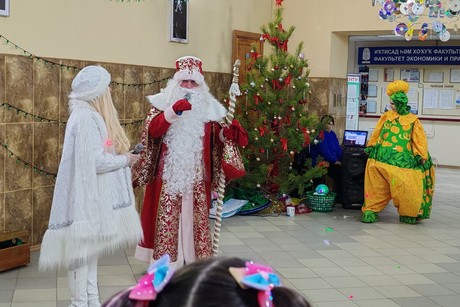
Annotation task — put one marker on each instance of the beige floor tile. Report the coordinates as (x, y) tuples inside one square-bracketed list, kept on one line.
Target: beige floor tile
[(124, 269), (333, 271), (379, 260), (364, 270), (392, 251), (34, 304), (349, 303), (376, 303), (116, 280), (317, 262), (331, 254), (397, 291), (355, 261), (426, 268), (296, 273), (344, 282), (394, 269), (413, 279), (361, 293), (62, 282), (379, 280), (34, 295), (310, 283), (7, 283), (325, 295), (139, 269), (36, 283), (438, 258), (63, 294)]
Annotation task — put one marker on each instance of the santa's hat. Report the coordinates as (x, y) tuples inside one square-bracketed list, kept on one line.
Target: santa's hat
[(189, 68)]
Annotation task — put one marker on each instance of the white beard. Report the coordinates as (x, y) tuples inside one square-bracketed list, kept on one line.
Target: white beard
[(184, 139)]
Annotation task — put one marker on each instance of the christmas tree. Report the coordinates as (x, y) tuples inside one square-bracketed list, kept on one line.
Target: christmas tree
[(275, 114)]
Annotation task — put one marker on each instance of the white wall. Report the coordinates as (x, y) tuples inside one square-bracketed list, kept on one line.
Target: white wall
[(130, 32)]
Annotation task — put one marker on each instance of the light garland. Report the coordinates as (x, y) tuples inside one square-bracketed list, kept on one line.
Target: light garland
[(7, 106), (27, 164), (75, 68), (428, 15)]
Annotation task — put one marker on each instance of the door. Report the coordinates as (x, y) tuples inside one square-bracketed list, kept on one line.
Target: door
[(242, 45)]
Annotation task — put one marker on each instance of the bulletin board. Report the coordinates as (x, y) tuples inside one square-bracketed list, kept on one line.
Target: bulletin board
[(441, 96), (434, 91)]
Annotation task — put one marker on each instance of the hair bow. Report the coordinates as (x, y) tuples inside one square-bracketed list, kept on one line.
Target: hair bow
[(158, 275), (259, 277)]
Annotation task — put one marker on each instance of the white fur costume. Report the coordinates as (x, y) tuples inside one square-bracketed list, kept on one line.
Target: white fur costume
[(93, 209)]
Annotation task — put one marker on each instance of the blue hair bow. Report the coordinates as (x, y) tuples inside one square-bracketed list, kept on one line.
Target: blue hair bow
[(158, 275), (259, 277)]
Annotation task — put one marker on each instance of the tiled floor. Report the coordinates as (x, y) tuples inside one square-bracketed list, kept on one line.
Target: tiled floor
[(332, 258)]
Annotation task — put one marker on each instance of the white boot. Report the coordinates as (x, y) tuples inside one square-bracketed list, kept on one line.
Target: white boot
[(93, 292), (78, 286)]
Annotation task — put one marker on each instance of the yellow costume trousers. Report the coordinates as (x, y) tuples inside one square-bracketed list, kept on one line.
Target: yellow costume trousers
[(384, 182)]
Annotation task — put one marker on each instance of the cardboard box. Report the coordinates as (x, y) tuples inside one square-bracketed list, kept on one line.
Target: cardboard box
[(15, 256)]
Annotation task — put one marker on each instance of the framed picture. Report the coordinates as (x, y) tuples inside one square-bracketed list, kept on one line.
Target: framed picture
[(5, 8), (178, 31), (433, 76), (373, 75), (388, 75), (454, 75), (372, 90), (410, 75)]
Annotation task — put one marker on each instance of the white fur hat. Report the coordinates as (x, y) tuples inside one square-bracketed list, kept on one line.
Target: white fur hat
[(189, 68), (90, 83)]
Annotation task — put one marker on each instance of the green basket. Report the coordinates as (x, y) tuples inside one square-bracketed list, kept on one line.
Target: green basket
[(322, 203)]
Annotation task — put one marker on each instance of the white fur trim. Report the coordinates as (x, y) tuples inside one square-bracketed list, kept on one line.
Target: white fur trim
[(159, 101), (216, 110), (170, 115), (189, 75)]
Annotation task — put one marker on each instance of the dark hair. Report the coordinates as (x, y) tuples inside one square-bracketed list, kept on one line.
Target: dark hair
[(208, 283), (326, 119)]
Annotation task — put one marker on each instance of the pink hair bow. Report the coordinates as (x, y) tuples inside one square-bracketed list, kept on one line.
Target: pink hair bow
[(158, 275), (259, 277)]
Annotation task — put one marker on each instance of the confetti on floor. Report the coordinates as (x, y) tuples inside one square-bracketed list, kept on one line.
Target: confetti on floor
[(329, 229)]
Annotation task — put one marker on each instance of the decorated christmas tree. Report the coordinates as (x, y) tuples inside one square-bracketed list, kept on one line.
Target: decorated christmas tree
[(274, 111)]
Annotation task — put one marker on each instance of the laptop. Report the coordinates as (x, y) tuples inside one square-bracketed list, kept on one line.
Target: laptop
[(354, 139)]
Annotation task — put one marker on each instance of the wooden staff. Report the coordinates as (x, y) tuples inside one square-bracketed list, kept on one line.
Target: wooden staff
[(233, 92)]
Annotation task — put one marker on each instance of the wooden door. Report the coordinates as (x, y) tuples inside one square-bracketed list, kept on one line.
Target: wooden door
[(242, 44)]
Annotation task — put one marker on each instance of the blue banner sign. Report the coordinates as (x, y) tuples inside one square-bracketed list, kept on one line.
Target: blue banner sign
[(409, 55)]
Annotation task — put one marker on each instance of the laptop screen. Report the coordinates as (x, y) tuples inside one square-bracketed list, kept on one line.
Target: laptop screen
[(354, 138)]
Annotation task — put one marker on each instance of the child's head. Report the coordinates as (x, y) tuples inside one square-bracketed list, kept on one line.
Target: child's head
[(328, 122), (208, 283)]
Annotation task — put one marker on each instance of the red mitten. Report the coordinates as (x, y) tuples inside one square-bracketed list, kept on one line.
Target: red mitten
[(236, 133), (181, 105)]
